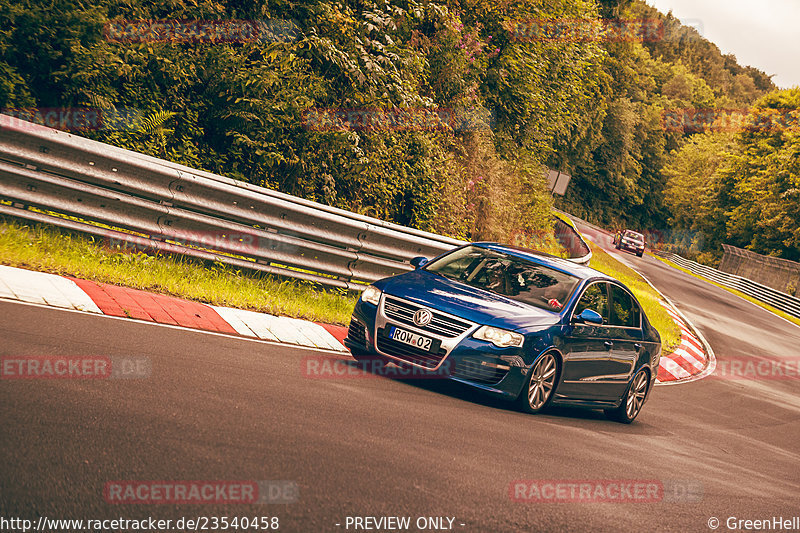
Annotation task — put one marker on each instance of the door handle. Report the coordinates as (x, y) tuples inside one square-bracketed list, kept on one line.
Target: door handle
[(608, 345)]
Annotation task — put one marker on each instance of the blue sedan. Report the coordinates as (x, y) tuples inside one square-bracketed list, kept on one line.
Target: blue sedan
[(514, 323)]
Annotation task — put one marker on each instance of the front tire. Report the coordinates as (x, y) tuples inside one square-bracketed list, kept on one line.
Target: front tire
[(540, 386), (633, 399)]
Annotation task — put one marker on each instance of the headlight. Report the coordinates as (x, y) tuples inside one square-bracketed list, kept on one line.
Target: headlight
[(502, 338), (371, 295)]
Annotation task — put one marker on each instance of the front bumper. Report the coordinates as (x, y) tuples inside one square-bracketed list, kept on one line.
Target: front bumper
[(631, 247), (498, 371)]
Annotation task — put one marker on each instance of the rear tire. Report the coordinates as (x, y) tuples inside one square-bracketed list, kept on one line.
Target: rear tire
[(540, 387), (633, 399), (640, 254)]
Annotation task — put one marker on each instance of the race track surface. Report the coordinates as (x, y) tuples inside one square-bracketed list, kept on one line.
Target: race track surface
[(215, 407)]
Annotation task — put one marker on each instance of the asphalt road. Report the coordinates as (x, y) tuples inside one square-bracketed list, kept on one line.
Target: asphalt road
[(222, 408)]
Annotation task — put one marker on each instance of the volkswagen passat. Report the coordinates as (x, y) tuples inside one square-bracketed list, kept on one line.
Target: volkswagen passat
[(514, 323)]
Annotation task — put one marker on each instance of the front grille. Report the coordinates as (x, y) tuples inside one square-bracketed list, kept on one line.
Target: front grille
[(357, 334), (409, 353), (472, 370), (441, 325)]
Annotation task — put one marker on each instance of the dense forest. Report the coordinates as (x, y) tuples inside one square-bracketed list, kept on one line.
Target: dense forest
[(441, 115)]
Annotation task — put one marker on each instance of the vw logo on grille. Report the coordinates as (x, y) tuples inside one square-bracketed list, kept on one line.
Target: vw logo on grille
[(422, 317)]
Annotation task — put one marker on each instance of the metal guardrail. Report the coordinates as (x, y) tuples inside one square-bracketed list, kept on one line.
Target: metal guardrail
[(164, 206), (134, 200), (768, 295)]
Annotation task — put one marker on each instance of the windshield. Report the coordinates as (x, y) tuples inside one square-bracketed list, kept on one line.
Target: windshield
[(632, 235), (507, 275)]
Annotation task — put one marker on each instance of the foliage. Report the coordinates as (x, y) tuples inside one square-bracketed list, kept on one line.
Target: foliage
[(592, 109), (764, 180)]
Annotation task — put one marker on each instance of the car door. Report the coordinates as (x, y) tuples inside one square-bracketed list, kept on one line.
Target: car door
[(625, 328), (586, 349)]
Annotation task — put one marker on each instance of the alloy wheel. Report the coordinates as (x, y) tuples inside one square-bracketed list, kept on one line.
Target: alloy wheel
[(636, 395), (543, 378)]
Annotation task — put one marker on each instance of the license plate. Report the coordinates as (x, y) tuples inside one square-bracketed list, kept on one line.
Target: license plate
[(412, 339)]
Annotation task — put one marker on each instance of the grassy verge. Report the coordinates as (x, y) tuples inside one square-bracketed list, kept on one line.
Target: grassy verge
[(768, 307), (47, 249), (649, 298)]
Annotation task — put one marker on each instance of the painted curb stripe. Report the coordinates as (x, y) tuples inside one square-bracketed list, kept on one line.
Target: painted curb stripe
[(83, 295), (24, 284), (255, 322), (104, 302), (142, 305), (688, 359), (230, 316), (39, 287), (155, 310), (674, 369), (78, 298), (338, 332)]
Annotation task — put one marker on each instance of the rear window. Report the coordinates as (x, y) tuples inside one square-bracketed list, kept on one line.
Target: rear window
[(507, 275)]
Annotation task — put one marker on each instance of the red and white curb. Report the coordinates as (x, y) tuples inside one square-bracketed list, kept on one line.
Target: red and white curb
[(100, 298), (688, 360)]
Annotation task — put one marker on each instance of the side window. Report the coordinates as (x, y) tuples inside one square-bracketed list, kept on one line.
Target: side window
[(595, 298), (624, 311)]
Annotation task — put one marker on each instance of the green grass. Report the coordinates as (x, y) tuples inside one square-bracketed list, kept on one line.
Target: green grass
[(48, 249), (649, 298), (768, 307)]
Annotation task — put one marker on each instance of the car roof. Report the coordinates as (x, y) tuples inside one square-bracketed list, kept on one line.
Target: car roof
[(557, 263)]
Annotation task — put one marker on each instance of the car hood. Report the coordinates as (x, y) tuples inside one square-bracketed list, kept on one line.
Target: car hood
[(475, 305)]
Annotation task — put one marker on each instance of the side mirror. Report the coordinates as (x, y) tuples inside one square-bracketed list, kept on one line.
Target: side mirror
[(419, 262), (589, 316)]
